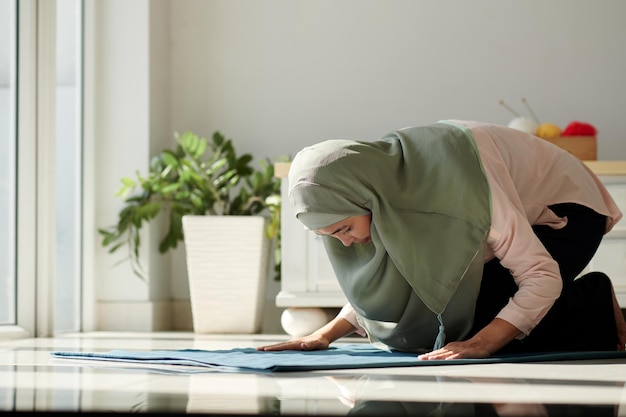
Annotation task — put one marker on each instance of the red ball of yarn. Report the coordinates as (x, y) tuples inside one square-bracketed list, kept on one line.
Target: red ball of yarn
[(579, 129)]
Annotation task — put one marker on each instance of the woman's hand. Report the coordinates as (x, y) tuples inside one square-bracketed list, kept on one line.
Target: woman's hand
[(318, 340), (457, 350), (488, 340), (311, 342)]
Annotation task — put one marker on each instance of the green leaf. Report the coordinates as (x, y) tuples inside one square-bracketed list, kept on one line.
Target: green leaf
[(128, 185), (128, 182), (170, 160), (202, 145), (216, 166), (148, 211), (168, 189), (196, 200), (218, 138), (189, 142)]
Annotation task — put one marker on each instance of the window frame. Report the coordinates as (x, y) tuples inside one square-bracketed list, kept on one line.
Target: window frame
[(35, 243), (26, 133)]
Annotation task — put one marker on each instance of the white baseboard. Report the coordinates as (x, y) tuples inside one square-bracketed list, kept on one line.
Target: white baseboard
[(144, 316), (149, 316), (181, 315)]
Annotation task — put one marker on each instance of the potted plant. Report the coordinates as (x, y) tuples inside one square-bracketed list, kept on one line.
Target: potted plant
[(197, 185)]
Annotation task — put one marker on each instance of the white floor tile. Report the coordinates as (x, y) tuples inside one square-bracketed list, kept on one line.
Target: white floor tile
[(32, 380)]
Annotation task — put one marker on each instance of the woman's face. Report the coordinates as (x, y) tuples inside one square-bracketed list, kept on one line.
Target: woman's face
[(355, 229)]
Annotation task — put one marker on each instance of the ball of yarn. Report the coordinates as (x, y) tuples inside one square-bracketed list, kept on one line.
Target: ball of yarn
[(524, 124), (576, 128), (548, 131)]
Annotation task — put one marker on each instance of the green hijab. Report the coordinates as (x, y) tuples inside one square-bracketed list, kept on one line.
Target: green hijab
[(430, 205)]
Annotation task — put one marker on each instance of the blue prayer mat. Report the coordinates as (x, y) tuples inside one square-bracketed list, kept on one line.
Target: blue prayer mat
[(350, 356)]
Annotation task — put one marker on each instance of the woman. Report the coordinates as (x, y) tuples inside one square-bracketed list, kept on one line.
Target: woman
[(462, 231)]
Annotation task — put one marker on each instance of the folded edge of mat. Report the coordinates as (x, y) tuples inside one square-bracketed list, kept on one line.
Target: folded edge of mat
[(340, 357)]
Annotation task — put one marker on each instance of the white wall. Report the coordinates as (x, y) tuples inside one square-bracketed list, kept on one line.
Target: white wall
[(277, 75), (7, 42), (131, 106)]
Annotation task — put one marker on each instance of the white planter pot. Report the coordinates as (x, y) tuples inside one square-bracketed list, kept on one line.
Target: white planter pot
[(227, 264)]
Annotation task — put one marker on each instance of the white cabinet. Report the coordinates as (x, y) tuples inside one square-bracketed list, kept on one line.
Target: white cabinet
[(308, 280), (611, 255), (307, 276), (308, 285)]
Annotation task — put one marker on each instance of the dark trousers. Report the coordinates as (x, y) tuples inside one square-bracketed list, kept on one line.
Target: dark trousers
[(582, 318)]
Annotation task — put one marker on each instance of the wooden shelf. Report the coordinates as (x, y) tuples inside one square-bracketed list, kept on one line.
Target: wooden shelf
[(607, 167)]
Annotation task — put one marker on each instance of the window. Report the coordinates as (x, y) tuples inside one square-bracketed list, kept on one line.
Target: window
[(8, 97), (40, 166), (68, 165)]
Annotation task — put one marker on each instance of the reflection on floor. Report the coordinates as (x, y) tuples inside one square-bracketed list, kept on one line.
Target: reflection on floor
[(31, 380)]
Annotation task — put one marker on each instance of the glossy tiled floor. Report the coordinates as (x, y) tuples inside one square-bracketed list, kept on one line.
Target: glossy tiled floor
[(31, 380)]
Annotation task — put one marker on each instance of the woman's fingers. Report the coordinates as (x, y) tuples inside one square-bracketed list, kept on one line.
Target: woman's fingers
[(289, 345), (296, 344), (456, 350), (440, 354)]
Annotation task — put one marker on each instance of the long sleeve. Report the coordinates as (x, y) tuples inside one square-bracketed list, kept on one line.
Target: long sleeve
[(348, 313), (535, 272), (526, 177)]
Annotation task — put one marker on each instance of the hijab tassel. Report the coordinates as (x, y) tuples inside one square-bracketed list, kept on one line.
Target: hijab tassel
[(441, 336)]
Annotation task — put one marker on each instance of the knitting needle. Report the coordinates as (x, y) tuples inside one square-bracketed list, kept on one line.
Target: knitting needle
[(532, 113), (503, 104)]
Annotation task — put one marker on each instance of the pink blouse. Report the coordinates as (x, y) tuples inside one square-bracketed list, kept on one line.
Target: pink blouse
[(526, 175)]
